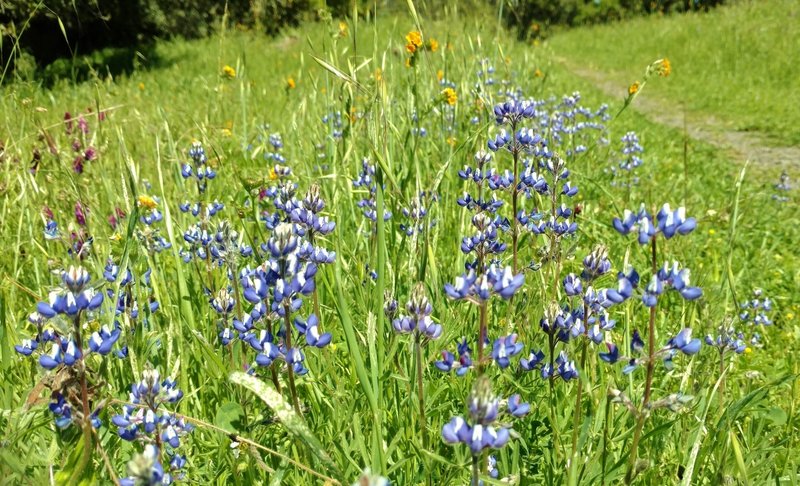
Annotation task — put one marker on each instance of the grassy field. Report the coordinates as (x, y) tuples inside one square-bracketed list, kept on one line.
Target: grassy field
[(736, 63), (337, 93)]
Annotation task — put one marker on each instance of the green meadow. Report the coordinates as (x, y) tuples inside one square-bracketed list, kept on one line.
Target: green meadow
[(287, 120)]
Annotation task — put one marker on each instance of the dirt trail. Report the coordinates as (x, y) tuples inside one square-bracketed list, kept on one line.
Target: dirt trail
[(740, 145)]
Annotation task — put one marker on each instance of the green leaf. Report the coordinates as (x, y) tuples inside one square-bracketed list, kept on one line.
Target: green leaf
[(777, 415), (78, 468), (228, 416), (285, 414)]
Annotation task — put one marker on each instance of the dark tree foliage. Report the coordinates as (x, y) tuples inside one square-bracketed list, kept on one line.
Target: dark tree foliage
[(533, 18), (53, 29)]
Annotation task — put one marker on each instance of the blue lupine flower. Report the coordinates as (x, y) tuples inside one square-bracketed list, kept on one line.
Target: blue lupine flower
[(62, 410), (492, 468), (512, 112), (631, 148), (27, 347), (51, 230), (668, 222), (532, 362), (464, 363), (145, 415), (483, 409), (572, 285), (684, 343), (504, 348), (74, 298), (66, 352), (146, 469), (471, 287), (727, 340), (310, 329), (652, 291), (516, 407), (418, 319), (756, 310), (596, 263), (103, 340), (366, 180), (612, 356)]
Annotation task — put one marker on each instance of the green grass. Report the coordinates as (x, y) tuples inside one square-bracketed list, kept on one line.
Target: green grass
[(360, 394), (736, 63)]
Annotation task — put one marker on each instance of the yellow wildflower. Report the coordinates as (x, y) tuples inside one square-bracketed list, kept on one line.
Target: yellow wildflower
[(433, 45), (290, 83), (712, 232), (141, 86), (342, 29), (228, 72), (273, 176), (226, 132), (439, 75), (451, 141), (228, 124), (115, 237), (633, 89), (538, 73), (408, 62), (748, 350), (414, 38), (411, 48), (450, 96), (664, 68), (145, 201)]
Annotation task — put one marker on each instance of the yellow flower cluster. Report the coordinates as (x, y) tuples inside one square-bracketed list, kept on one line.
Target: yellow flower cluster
[(633, 89), (145, 201), (415, 44), (290, 83), (228, 72), (450, 96), (413, 41), (664, 68)]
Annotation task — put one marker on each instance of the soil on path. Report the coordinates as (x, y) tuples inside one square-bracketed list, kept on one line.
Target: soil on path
[(740, 145)]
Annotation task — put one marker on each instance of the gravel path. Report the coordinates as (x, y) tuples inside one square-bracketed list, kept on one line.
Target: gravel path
[(740, 145)]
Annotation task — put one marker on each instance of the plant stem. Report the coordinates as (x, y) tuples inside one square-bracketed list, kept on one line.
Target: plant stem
[(651, 352), (475, 471), (482, 333), (514, 224), (314, 296), (721, 382), (76, 323), (288, 336), (420, 390), (605, 439), (273, 371), (553, 420), (576, 417)]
